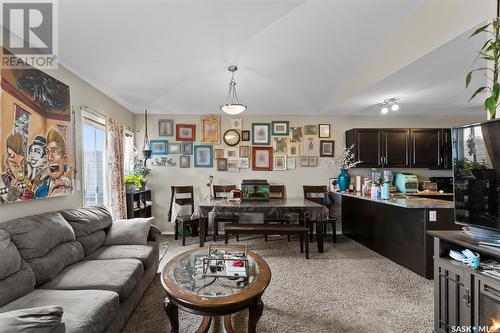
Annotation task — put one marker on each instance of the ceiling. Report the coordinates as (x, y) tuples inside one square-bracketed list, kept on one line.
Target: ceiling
[(294, 57)]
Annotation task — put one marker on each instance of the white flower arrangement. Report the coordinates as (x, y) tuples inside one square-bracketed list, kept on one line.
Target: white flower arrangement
[(345, 159)]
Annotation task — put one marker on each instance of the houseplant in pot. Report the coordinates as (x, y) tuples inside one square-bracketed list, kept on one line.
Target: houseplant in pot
[(344, 160), (140, 170), (133, 183), (490, 53)]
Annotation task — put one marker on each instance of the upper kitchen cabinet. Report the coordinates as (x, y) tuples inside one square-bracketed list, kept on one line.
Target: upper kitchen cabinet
[(396, 147), (367, 146), (426, 146), (401, 147)]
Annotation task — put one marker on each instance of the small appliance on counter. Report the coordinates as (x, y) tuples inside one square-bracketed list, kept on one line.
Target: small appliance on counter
[(444, 184), (406, 183)]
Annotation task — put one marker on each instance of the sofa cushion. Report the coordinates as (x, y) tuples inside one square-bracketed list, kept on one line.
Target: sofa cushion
[(17, 284), (118, 275), (84, 310), (36, 235), (50, 265), (10, 259), (129, 232), (86, 222), (46, 242), (42, 319), (144, 253)]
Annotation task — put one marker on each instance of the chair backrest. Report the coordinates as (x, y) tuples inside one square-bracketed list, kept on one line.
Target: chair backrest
[(222, 191), (315, 193), (277, 192), (186, 198)]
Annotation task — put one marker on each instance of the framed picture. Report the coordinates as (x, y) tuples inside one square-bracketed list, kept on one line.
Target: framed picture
[(218, 153), (280, 145), (221, 164), (279, 162), (203, 156), (280, 128), (291, 163), (326, 148), (262, 158), (159, 147), (174, 148), (210, 129), (313, 161), (311, 130), (244, 163), (185, 132), (293, 149), (245, 135), (304, 161), (244, 151), (332, 184), (236, 123), (310, 146), (165, 127), (231, 152), (233, 165), (296, 134), (260, 134), (187, 148), (185, 162), (324, 131)]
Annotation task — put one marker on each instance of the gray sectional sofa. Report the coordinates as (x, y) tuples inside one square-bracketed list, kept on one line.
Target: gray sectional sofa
[(60, 259)]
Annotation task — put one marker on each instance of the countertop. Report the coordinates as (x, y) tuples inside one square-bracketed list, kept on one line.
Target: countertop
[(411, 202)]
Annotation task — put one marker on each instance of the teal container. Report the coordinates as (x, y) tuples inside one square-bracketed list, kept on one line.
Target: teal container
[(344, 180), (386, 193)]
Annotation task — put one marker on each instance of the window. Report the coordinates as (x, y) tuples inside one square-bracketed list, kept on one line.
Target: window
[(94, 159)]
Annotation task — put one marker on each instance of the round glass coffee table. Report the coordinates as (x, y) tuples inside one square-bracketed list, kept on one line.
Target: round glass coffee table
[(187, 288)]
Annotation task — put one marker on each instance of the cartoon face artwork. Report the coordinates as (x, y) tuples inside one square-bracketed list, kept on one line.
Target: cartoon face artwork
[(38, 152), (15, 177)]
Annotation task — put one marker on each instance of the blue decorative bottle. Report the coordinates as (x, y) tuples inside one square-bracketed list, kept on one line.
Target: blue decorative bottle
[(344, 180)]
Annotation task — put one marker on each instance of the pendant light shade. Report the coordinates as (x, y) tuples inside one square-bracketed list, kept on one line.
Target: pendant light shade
[(232, 106)]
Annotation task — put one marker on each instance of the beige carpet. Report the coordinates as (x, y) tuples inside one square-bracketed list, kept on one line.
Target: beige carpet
[(346, 289)]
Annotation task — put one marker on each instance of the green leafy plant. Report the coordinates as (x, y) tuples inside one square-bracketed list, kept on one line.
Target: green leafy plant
[(466, 166), (489, 52), (136, 180), (140, 169)]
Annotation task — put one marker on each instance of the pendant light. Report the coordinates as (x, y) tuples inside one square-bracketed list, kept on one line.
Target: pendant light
[(232, 106), (146, 149)]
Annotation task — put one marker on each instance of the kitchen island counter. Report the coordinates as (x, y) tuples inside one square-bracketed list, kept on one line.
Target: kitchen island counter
[(411, 201), (396, 228)]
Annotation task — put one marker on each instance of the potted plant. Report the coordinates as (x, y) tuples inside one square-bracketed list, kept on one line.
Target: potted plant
[(140, 170), (489, 52), (344, 160), (133, 183)]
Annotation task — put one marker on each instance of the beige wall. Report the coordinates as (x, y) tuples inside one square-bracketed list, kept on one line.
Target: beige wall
[(81, 94), (162, 178)]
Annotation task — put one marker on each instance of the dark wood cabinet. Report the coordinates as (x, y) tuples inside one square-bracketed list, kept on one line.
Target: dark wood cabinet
[(396, 144), (367, 145), (426, 145), (401, 147), (139, 204)]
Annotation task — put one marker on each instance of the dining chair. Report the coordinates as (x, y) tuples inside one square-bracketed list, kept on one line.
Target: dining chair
[(317, 194), (183, 196), (222, 192), (277, 192)]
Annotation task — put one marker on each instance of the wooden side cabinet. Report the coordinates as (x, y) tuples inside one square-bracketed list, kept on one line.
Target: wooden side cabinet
[(139, 204)]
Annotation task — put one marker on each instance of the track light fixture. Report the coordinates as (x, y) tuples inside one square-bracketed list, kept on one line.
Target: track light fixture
[(391, 103)]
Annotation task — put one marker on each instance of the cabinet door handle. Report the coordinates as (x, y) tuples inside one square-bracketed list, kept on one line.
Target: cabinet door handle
[(467, 297)]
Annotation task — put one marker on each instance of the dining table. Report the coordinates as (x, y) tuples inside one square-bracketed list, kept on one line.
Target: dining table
[(306, 210)]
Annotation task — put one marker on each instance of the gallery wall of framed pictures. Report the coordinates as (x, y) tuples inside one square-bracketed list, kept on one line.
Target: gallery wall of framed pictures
[(233, 144)]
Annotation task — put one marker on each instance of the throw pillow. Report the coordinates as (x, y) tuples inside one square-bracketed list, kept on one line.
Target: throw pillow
[(43, 319), (129, 232), (10, 259)]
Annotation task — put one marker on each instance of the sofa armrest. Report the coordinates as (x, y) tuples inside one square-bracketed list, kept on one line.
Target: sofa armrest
[(154, 234), (32, 320)]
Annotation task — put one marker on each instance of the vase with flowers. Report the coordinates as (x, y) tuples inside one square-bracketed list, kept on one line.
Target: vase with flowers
[(344, 160)]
